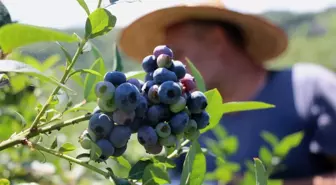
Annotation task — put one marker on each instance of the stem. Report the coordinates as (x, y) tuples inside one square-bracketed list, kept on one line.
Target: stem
[(55, 91), (175, 153), (99, 3), (71, 159), (27, 134)]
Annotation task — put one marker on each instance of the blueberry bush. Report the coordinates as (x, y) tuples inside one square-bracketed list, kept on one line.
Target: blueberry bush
[(163, 108)]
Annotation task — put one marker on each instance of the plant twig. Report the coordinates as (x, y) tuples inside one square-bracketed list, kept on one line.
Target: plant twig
[(17, 139), (175, 153)]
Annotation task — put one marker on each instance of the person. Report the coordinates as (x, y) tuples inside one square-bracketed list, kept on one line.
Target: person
[(231, 50)]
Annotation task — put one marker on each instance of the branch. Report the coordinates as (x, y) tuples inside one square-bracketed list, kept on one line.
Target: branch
[(27, 134), (176, 152)]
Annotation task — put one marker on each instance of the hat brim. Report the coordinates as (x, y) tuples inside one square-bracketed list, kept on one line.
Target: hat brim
[(264, 41)]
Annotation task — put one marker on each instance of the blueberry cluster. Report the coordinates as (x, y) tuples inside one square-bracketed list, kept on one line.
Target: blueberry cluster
[(163, 109)]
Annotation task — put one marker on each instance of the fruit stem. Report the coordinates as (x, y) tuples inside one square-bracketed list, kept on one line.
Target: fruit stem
[(62, 81), (71, 159), (175, 153)]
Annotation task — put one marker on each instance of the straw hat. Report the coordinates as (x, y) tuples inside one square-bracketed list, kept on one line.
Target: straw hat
[(264, 40)]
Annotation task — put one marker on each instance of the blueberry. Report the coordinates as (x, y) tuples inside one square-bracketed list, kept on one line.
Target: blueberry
[(202, 119), (142, 107), (153, 149), (169, 92), (179, 105), (179, 122), (122, 118), (104, 90), (106, 148), (115, 77), (179, 69), (162, 49), (136, 124), (191, 127), (197, 102), (120, 135), (100, 124), (135, 82), (85, 140), (147, 86), (163, 129), (153, 95), (147, 136), (169, 141), (149, 76), (189, 83), (164, 60), (127, 97), (119, 151), (161, 75), (158, 113), (149, 64), (107, 105)]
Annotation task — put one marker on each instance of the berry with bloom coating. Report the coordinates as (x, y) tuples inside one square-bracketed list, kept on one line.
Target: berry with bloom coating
[(122, 118), (148, 84), (163, 129), (106, 148), (104, 90), (179, 105), (179, 69), (147, 136), (149, 76), (115, 77), (164, 60), (136, 124), (202, 119), (197, 102), (161, 75), (169, 92), (107, 105), (153, 95), (100, 124), (158, 113), (149, 64), (179, 122), (191, 127), (142, 107), (120, 135), (153, 149), (119, 151), (127, 97), (169, 141), (135, 82), (162, 49)]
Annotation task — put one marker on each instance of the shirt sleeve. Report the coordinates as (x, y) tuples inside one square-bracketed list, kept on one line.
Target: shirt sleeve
[(314, 89)]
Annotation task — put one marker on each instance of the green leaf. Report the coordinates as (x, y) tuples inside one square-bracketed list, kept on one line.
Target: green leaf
[(89, 71), (138, 169), (54, 144), (169, 163), (194, 166), (122, 161), (287, 143), (270, 138), (66, 53), (5, 111), (95, 51), (117, 61), (244, 106), (50, 62), (229, 144), (265, 155), (155, 174), (260, 172), (215, 112), (4, 80), (17, 35), (4, 182), (83, 4), (99, 23), (67, 147), (19, 67), (91, 80), (136, 74), (197, 75)]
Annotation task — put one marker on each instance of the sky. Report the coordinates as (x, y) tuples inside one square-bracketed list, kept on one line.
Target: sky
[(62, 14)]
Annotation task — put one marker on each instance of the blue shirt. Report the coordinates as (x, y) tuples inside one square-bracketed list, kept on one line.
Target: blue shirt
[(305, 100)]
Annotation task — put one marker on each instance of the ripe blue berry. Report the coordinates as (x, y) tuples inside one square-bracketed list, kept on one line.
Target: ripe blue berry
[(135, 82), (149, 64), (202, 119), (122, 118), (147, 86), (162, 49), (119, 151), (197, 102), (142, 107), (158, 113), (136, 124), (163, 129), (127, 97), (149, 76), (106, 148), (153, 149), (179, 69), (104, 90), (100, 124), (147, 136), (153, 95), (120, 135), (169, 92), (161, 75), (164, 60), (107, 105), (115, 77), (169, 141), (179, 122), (179, 105)]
